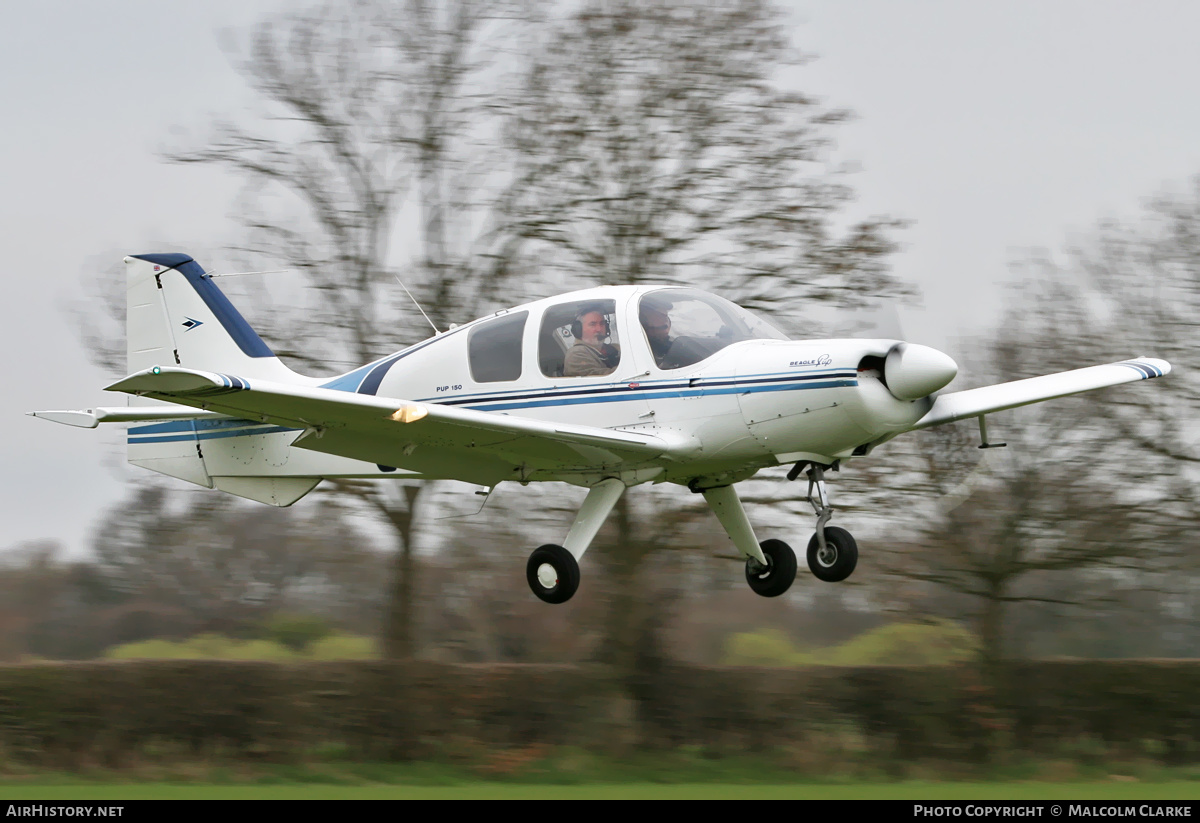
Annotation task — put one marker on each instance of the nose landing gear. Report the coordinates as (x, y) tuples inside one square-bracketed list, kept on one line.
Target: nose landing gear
[(832, 552)]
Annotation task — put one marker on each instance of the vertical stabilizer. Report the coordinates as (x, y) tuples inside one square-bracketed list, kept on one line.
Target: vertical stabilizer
[(176, 315)]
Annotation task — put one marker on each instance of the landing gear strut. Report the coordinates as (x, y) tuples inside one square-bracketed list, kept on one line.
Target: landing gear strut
[(832, 552), (553, 571), (771, 564)]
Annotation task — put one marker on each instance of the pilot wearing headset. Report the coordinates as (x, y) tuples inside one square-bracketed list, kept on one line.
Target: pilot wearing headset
[(591, 355)]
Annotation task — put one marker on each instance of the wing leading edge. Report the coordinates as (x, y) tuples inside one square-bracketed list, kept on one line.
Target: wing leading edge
[(976, 402), (435, 440)]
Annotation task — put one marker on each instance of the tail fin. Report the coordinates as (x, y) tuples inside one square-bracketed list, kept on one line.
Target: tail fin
[(177, 316)]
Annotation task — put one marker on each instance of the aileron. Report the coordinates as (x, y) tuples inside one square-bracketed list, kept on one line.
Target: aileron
[(988, 399)]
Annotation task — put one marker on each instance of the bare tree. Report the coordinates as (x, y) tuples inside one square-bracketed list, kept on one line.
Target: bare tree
[(1145, 276), (1068, 496), (653, 143), (371, 113)]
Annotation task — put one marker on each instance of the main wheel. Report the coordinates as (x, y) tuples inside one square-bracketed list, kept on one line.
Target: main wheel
[(839, 558), (777, 577), (553, 573)]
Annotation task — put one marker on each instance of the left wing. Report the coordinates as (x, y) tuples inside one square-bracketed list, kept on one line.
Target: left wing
[(433, 439), (976, 402)]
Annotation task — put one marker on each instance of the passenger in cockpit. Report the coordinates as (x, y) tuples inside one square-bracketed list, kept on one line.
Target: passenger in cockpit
[(657, 324)]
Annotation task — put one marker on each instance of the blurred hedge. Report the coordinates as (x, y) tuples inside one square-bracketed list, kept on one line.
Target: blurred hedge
[(115, 712), (896, 644), (328, 646)]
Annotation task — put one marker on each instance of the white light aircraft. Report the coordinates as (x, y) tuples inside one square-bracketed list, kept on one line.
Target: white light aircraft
[(603, 388)]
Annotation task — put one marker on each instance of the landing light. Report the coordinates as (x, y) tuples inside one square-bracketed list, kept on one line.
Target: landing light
[(409, 414)]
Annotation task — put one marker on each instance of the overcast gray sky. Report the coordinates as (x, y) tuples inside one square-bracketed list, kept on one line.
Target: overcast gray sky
[(993, 126)]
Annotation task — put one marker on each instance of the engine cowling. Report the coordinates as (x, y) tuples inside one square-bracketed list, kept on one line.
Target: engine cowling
[(913, 371)]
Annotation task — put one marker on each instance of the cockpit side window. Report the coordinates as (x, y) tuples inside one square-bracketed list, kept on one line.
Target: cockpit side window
[(579, 339), (494, 348), (683, 326)]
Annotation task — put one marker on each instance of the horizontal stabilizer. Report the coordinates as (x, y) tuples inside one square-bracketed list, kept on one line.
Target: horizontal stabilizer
[(91, 418), (975, 402)]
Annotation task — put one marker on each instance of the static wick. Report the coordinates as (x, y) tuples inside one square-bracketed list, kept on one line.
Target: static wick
[(415, 303)]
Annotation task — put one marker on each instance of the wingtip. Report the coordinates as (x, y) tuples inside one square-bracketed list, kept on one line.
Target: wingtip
[(1162, 366)]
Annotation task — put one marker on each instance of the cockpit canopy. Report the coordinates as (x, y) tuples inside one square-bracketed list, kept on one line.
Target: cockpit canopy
[(685, 326), (582, 337)]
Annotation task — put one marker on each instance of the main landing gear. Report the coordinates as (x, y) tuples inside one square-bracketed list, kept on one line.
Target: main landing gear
[(771, 564), (553, 571)]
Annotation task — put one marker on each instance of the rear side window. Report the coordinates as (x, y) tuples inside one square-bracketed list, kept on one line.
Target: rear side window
[(494, 348)]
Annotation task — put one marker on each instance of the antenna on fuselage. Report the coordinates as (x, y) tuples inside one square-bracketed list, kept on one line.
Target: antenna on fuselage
[(415, 303), (241, 273)]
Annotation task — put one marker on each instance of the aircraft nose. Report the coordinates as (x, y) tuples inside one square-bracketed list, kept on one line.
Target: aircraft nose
[(913, 371)]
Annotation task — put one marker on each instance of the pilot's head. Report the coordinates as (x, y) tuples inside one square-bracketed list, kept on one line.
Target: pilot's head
[(656, 323), (593, 328)]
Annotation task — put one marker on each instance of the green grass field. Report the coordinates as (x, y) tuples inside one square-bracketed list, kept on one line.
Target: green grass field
[(565, 773), (908, 790)]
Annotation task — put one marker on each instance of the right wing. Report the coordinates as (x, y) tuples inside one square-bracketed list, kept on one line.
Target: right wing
[(977, 402)]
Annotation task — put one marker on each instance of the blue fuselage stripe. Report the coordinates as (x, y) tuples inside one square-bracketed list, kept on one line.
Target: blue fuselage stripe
[(707, 385), (655, 395), (183, 429)]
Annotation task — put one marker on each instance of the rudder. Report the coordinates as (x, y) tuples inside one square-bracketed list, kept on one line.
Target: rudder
[(176, 315)]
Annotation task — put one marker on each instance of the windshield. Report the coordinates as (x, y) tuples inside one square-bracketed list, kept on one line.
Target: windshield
[(684, 326)]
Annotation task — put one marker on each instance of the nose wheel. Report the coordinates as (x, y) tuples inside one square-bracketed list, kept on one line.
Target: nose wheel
[(832, 552), (834, 561)]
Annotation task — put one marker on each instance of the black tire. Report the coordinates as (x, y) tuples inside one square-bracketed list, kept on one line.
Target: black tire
[(566, 570), (840, 558), (780, 572)]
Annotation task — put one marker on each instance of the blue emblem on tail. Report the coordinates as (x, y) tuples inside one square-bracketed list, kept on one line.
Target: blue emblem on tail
[(190, 324)]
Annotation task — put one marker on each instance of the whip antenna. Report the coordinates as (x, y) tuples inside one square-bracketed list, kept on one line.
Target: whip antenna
[(240, 273), (415, 303)]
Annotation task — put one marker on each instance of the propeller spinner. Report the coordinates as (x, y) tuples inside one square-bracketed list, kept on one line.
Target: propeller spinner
[(914, 371)]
